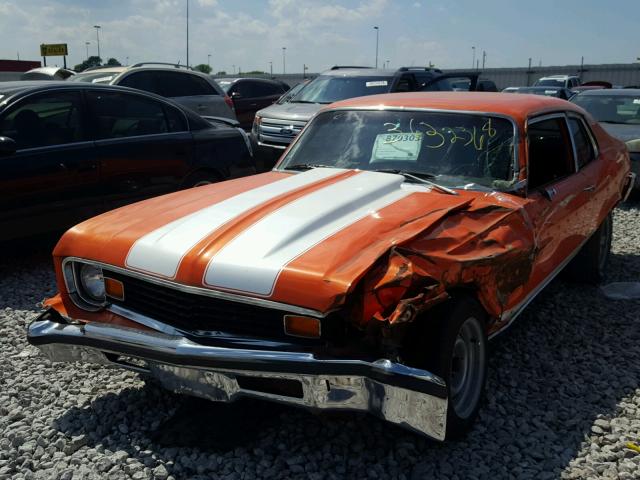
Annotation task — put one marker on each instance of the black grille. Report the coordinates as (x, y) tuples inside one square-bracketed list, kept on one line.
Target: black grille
[(192, 312)]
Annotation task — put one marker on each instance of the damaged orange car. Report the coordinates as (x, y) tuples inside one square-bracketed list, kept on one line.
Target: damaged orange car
[(365, 272)]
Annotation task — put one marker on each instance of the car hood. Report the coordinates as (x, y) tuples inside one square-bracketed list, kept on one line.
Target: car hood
[(291, 111), (303, 239), (622, 132)]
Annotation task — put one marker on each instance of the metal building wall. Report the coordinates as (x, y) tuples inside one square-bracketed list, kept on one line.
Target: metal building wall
[(623, 74)]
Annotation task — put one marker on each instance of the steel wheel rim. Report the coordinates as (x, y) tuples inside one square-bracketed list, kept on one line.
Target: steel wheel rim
[(467, 367)]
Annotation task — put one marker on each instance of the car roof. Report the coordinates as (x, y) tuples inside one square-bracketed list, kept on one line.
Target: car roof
[(558, 77), (518, 107), (360, 72), (611, 92), (105, 70)]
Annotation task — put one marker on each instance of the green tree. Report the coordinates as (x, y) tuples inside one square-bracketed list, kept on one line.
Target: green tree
[(112, 62), (93, 61), (203, 67)]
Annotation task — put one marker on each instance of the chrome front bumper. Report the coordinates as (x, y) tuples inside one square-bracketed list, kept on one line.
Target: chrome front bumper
[(410, 397)]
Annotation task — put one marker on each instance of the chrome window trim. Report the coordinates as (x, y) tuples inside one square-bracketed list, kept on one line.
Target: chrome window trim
[(109, 141), (516, 133), (207, 292)]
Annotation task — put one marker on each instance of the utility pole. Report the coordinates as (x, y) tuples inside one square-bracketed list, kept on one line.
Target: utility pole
[(478, 64), (271, 68), (187, 33), (377, 29), (529, 72), (304, 70), (473, 58), (209, 60), (126, 61), (86, 44), (98, 27), (284, 70), (484, 58)]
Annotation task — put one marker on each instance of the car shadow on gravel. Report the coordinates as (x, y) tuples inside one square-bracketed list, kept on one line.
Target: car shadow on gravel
[(557, 378)]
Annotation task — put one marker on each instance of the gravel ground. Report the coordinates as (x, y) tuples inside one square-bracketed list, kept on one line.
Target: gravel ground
[(563, 399)]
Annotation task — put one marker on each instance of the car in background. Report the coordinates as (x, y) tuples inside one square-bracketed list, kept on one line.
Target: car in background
[(558, 92), (483, 85), (69, 151), (192, 89), (47, 73), (618, 111), (562, 81), (250, 95), (275, 127), (366, 272)]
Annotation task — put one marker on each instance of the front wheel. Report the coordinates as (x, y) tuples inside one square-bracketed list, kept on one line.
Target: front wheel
[(457, 352)]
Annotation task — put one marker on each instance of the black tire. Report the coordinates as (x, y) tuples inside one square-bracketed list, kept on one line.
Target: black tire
[(443, 327), (590, 264), (200, 178)]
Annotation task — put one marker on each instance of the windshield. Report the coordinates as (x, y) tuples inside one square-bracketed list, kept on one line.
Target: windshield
[(93, 77), (454, 149), (329, 89), (291, 93), (611, 109), (549, 82)]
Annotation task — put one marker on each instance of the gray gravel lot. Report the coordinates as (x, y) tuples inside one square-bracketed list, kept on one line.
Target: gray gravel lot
[(563, 399)]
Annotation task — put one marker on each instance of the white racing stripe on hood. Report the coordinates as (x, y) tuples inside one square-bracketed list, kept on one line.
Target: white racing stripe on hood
[(161, 251), (252, 261)]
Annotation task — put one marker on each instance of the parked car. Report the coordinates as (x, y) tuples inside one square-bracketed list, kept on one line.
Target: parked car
[(559, 92), (276, 126), (72, 150), (562, 81), (250, 95), (483, 85), (618, 111), (366, 272), (47, 73), (192, 89)]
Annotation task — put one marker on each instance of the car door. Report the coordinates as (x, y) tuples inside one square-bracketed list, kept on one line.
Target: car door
[(143, 145), (50, 182), (559, 206), (245, 100)]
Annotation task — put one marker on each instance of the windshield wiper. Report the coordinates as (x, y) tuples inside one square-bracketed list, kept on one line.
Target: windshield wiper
[(420, 177), (306, 166), (301, 101)]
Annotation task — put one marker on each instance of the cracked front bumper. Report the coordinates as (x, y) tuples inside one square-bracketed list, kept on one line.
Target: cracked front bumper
[(412, 398)]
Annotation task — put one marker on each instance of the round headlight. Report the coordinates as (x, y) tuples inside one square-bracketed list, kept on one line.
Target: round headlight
[(92, 282)]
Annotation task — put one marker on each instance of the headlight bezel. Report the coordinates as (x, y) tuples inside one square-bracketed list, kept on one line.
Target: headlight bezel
[(78, 292)]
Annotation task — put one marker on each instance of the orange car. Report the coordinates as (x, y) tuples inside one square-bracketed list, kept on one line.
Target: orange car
[(365, 272)]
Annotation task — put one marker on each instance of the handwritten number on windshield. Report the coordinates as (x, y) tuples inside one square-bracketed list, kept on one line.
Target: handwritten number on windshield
[(439, 137)]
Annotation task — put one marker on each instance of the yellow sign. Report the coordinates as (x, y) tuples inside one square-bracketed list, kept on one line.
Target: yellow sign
[(53, 49)]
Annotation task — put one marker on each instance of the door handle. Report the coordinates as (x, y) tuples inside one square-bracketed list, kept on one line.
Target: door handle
[(590, 188)]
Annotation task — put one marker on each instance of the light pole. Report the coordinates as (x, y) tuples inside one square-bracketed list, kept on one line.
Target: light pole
[(187, 33), (388, 61), (484, 58), (284, 63), (126, 61), (304, 70), (473, 59), (209, 60), (377, 32), (271, 68), (98, 27), (86, 44), (234, 69)]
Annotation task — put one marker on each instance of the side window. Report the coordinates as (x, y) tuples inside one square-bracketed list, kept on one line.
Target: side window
[(142, 81), (44, 120), (119, 115), (406, 84), (245, 89), (182, 84), (265, 89), (176, 120), (550, 152), (584, 147)]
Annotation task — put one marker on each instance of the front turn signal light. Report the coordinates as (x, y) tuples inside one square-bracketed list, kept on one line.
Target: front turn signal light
[(301, 326), (114, 288)]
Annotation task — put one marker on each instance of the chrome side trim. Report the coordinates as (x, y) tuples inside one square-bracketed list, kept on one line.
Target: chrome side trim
[(199, 290), (514, 312), (412, 398)]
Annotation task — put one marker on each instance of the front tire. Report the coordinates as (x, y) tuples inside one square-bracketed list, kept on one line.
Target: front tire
[(457, 352)]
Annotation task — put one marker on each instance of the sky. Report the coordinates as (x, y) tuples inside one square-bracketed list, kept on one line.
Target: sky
[(248, 34)]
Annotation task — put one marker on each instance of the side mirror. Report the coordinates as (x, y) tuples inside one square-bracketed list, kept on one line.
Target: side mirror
[(236, 95), (8, 146)]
